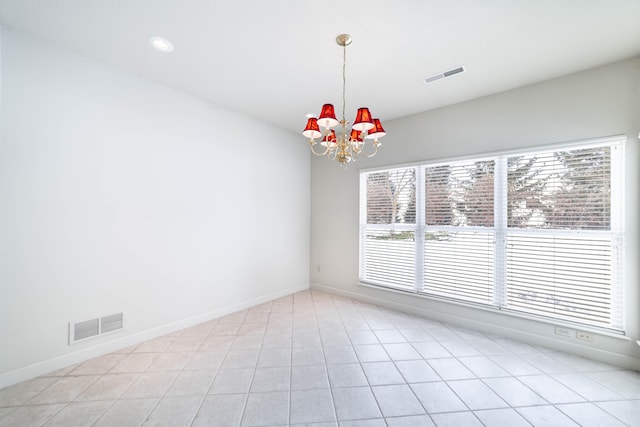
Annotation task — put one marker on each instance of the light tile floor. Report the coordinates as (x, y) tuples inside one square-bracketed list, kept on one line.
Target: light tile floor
[(320, 360)]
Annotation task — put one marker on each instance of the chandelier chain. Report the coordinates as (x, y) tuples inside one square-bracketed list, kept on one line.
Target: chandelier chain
[(344, 79)]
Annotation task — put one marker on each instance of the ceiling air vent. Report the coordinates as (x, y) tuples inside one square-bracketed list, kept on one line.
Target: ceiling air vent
[(444, 74)]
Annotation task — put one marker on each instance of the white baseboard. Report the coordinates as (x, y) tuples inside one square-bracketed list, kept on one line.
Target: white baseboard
[(43, 367), (622, 360)]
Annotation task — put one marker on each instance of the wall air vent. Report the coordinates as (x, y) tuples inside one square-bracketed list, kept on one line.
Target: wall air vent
[(86, 329), (111, 323), (444, 74), (80, 331)]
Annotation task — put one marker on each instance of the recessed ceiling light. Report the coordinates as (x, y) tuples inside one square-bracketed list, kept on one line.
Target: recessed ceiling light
[(160, 43), (309, 115)]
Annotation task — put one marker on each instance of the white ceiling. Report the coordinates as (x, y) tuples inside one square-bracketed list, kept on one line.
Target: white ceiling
[(277, 60)]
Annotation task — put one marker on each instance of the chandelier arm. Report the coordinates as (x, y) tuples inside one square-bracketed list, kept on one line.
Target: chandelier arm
[(375, 151), (333, 153), (311, 144)]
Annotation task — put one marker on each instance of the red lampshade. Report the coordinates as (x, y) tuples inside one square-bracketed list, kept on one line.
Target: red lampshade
[(312, 130), (327, 118), (330, 139), (377, 131), (363, 120), (356, 135)]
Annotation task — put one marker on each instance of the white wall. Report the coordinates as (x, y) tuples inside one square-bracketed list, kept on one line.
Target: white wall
[(599, 102), (119, 194)]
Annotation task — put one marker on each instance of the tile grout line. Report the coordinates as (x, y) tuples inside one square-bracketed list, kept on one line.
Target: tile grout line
[(206, 394), (66, 404), (255, 368), (116, 399), (405, 379), (326, 368), (246, 400)]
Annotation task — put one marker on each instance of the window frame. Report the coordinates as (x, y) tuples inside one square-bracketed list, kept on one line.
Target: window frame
[(501, 229)]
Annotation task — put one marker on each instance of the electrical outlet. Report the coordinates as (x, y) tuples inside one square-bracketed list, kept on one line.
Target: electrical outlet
[(584, 336), (565, 332), (318, 268)]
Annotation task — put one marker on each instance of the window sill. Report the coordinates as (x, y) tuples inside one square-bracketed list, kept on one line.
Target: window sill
[(575, 326)]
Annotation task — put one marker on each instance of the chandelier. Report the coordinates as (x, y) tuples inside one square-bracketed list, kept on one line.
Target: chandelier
[(345, 145)]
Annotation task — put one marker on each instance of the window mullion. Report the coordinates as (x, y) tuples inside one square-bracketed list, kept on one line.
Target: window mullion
[(420, 228), (363, 226), (500, 238), (617, 250)]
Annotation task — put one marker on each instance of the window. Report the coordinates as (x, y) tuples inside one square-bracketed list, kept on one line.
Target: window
[(389, 238), (536, 232)]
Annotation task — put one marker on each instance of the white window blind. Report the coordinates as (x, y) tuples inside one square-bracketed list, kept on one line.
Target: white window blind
[(459, 230), (561, 190), (390, 258), (561, 235), (536, 232), (564, 276), (388, 228), (460, 194), (459, 265)]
